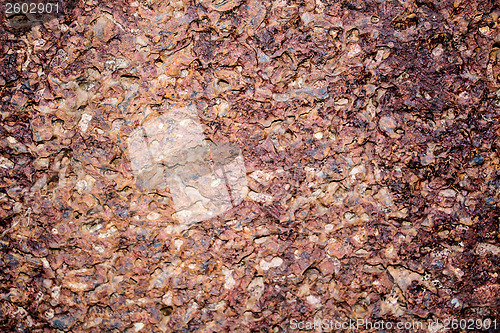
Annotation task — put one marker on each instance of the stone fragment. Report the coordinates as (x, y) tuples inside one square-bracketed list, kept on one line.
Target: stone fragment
[(275, 262)]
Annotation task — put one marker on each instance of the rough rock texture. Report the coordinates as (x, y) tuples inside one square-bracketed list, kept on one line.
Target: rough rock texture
[(369, 131)]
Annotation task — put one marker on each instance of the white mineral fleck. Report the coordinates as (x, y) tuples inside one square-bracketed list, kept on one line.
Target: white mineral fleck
[(84, 122), (275, 262)]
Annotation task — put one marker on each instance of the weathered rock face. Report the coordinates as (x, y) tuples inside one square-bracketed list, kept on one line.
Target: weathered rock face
[(368, 131)]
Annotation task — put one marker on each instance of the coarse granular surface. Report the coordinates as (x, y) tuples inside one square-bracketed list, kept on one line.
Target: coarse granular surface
[(368, 132)]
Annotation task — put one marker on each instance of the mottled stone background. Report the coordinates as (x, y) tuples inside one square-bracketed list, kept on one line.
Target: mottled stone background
[(369, 132)]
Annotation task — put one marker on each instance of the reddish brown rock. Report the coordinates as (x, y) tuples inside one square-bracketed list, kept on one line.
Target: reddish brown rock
[(368, 131)]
